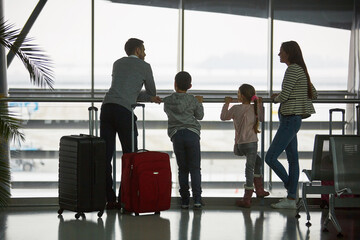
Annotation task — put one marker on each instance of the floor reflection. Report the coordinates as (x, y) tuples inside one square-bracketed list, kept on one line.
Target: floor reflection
[(81, 229), (148, 226), (256, 223), (195, 226)]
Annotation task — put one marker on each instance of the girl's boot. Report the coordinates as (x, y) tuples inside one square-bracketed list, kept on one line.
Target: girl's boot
[(259, 188), (246, 201)]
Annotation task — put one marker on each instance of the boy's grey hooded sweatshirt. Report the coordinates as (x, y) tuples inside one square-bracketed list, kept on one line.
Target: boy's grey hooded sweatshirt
[(183, 111)]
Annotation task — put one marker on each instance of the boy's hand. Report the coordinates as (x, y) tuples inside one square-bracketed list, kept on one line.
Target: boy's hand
[(228, 100), (200, 98), (156, 99)]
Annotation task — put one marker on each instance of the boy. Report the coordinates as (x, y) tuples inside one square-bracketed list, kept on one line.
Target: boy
[(184, 111)]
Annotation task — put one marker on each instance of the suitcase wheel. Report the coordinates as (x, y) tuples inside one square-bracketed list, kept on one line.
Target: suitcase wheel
[(60, 211), (157, 213), (100, 214), (79, 214), (136, 214)]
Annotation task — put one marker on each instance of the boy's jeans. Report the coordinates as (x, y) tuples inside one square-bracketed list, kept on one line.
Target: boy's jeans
[(253, 160), (286, 139), (187, 150)]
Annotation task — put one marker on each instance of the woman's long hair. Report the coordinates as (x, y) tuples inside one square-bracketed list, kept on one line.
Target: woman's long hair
[(294, 53), (248, 92)]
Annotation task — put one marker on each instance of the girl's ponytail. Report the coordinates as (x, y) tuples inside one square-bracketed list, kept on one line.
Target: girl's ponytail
[(249, 93), (256, 125)]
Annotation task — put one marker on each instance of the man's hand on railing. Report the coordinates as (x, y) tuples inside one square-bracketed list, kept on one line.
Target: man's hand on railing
[(228, 100)]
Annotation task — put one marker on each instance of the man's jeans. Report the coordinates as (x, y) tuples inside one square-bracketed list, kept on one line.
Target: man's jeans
[(187, 150), (286, 139)]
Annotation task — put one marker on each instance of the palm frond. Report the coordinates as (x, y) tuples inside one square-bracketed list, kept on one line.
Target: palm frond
[(5, 179), (9, 124), (38, 64)]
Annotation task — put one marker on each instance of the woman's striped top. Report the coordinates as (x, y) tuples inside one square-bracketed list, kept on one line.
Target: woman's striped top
[(294, 93)]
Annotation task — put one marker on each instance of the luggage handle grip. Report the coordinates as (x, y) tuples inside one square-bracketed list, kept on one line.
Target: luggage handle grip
[(337, 110), (343, 119), (142, 150)]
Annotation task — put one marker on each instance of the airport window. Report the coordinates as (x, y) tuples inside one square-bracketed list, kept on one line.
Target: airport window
[(222, 51), (223, 48)]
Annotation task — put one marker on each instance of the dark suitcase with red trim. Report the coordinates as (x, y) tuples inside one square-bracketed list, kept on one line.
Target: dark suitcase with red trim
[(145, 181)]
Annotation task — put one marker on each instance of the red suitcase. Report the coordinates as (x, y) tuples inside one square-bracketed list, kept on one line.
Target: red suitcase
[(145, 181)]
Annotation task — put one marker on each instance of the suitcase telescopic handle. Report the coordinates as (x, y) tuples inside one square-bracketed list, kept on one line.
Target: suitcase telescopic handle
[(93, 120), (343, 119), (358, 119), (133, 106)]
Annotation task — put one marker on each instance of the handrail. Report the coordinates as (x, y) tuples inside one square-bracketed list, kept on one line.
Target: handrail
[(206, 100)]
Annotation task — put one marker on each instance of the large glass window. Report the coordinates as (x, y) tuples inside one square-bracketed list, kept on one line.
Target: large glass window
[(63, 31), (222, 51), (157, 27), (224, 46), (325, 51)]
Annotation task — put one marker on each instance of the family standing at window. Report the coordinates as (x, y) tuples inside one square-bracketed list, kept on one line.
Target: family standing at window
[(184, 111)]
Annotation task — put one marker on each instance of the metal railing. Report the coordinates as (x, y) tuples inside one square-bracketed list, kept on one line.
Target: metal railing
[(82, 96)]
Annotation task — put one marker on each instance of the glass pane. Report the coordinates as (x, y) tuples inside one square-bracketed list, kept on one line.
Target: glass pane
[(34, 163), (63, 31), (222, 51), (323, 36), (157, 27)]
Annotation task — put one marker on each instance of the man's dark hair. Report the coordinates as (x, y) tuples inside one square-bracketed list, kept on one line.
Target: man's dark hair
[(183, 80), (132, 44)]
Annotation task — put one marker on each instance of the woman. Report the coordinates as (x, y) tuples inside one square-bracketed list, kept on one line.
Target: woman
[(295, 101)]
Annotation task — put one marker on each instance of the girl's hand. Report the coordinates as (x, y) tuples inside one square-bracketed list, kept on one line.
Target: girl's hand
[(228, 100), (274, 95)]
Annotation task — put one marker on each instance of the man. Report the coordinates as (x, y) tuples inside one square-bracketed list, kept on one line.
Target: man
[(128, 77)]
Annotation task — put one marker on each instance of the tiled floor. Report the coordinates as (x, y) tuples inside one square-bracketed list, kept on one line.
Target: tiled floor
[(259, 222)]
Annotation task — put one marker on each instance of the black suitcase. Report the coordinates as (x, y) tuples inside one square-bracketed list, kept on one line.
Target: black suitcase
[(82, 168)]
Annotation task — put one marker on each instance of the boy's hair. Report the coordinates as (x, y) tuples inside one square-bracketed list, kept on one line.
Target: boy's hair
[(248, 92), (132, 44), (183, 80)]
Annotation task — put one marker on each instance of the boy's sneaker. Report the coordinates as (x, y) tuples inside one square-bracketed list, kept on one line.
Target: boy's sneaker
[(185, 203), (184, 206), (285, 204), (197, 205)]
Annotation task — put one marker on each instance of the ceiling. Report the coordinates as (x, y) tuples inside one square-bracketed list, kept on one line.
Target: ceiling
[(328, 13)]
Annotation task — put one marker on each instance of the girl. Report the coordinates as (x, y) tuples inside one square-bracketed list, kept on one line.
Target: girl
[(246, 119)]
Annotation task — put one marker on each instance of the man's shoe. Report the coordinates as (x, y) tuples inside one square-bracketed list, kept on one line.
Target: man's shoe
[(285, 204)]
